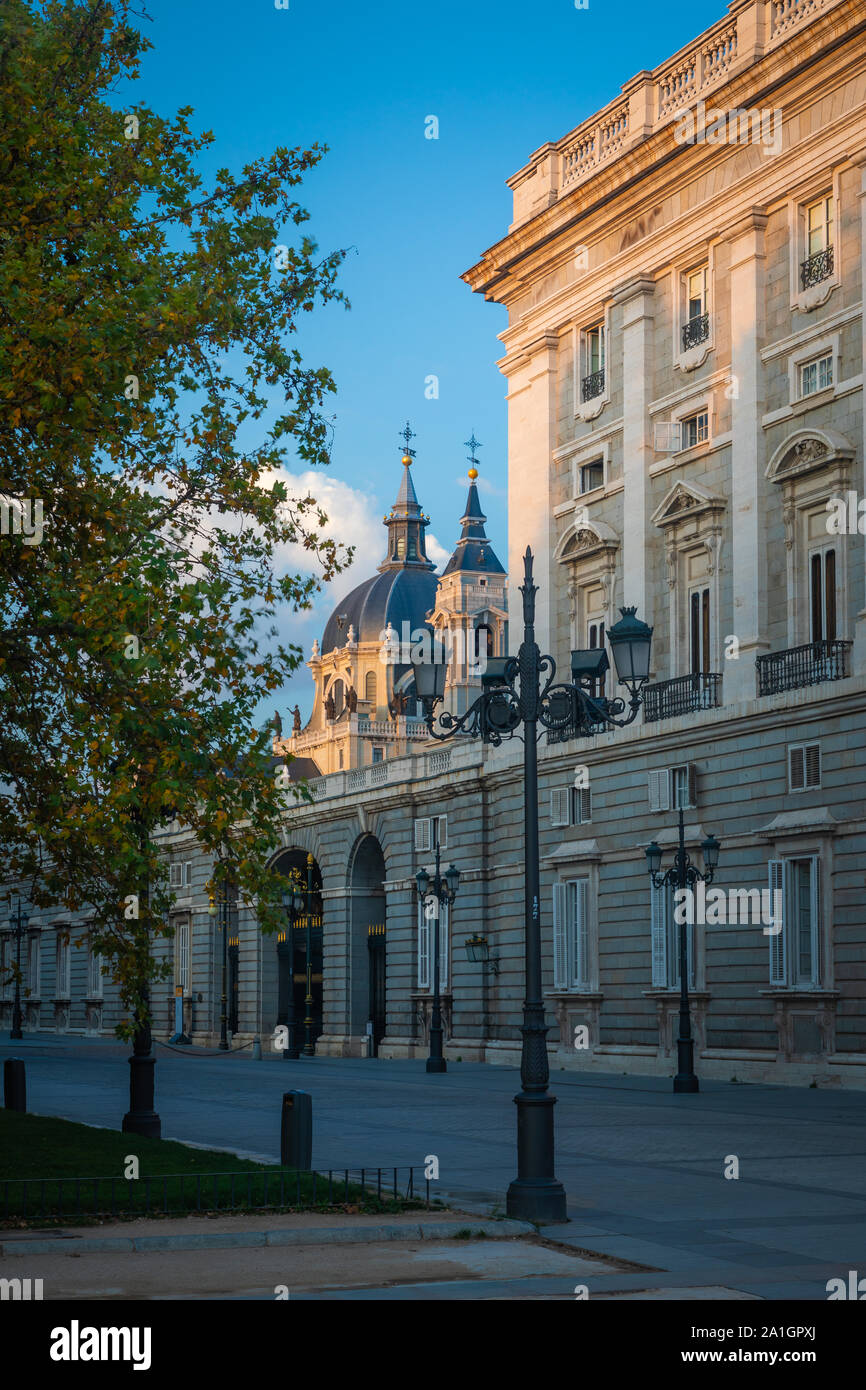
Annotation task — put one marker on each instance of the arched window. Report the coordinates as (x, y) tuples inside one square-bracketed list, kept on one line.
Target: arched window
[(337, 693), (401, 548), (484, 640), (370, 687)]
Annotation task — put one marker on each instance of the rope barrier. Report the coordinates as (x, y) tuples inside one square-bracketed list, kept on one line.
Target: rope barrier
[(216, 1052)]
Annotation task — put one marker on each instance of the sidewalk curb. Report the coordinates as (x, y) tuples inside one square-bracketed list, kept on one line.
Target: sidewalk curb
[(227, 1240)]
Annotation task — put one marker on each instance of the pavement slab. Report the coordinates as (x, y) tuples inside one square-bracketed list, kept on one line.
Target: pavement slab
[(643, 1168)]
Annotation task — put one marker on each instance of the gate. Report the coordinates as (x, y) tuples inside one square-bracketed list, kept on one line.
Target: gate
[(376, 952)]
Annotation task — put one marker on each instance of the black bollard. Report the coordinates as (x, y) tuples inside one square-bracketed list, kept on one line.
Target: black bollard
[(14, 1084), (296, 1131)]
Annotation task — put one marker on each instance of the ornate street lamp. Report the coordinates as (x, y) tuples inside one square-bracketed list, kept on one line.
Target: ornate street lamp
[(22, 917), (433, 896), (478, 952), (293, 905), (309, 1045), (521, 691), (683, 874)]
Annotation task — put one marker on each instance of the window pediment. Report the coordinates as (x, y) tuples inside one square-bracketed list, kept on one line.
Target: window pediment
[(585, 539), (685, 501), (807, 451)]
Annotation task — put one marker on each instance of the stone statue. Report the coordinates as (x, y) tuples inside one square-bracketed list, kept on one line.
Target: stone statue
[(330, 709), (352, 700), (296, 719), (278, 724)]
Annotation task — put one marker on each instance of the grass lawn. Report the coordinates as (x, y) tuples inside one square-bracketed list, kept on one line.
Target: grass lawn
[(78, 1171)]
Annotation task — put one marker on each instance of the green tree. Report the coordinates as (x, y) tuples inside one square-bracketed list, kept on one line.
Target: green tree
[(146, 324)]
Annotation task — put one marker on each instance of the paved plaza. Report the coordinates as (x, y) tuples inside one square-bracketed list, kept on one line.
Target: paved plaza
[(644, 1169)]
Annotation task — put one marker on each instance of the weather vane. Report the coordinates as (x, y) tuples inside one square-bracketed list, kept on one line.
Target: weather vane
[(473, 444), (407, 434)]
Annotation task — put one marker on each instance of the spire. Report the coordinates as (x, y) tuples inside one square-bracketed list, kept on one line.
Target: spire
[(473, 551), (406, 521)]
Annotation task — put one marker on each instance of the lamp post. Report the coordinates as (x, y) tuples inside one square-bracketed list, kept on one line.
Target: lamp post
[(309, 1045), (22, 917), (684, 875), (521, 691), (293, 902), (433, 897)]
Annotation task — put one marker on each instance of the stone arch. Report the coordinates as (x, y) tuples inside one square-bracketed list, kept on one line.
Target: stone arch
[(284, 971), (368, 939)]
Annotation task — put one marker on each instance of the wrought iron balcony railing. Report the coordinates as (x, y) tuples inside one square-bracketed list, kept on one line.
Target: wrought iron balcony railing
[(682, 695), (802, 666), (695, 331), (817, 268), (593, 385)]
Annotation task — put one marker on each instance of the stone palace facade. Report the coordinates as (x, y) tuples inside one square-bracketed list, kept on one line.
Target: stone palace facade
[(684, 360)]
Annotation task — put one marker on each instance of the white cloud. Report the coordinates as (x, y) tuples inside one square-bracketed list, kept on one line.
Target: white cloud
[(437, 553)]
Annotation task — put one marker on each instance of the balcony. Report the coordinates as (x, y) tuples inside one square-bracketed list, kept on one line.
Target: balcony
[(817, 268), (593, 385), (799, 667), (695, 331), (682, 695)]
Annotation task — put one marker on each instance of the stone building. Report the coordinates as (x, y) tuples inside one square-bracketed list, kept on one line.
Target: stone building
[(684, 356)]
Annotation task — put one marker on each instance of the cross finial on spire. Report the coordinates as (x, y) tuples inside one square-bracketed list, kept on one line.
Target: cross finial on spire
[(407, 434), (472, 443)]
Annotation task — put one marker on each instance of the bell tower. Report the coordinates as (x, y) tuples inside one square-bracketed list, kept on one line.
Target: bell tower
[(471, 613)]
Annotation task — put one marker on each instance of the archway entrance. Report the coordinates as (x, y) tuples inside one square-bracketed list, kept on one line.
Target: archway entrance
[(298, 944), (369, 941)]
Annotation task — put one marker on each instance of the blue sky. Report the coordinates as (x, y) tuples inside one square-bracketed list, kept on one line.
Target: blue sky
[(502, 78)]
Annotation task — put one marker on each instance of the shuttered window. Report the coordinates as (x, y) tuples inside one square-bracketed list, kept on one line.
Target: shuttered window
[(659, 787), (795, 951), (804, 766), (181, 953), (665, 935), (559, 806), (426, 940), (61, 988), (571, 934)]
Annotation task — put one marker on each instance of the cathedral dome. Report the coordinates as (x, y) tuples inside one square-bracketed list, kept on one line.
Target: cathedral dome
[(396, 596)]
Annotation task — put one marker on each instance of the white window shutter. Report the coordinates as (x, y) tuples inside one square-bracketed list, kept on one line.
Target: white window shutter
[(796, 769), (815, 905), (778, 971), (658, 924), (423, 837), (423, 947), (560, 954), (659, 789), (444, 924), (187, 872), (666, 436), (812, 762), (559, 799), (442, 831), (692, 782), (580, 969), (174, 875), (583, 805)]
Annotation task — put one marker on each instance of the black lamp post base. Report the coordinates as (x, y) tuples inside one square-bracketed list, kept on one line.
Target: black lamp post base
[(141, 1118), (686, 1085), (539, 1200), (437, 1064), (536, 1194)]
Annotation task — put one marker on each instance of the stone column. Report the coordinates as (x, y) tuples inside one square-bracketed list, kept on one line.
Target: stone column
[(636, 301), (748, 484), (532, 375)]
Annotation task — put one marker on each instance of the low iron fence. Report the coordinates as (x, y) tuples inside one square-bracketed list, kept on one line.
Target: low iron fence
[(181, 1193)]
